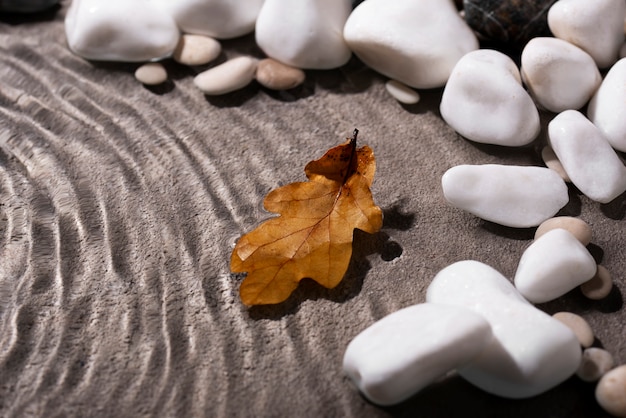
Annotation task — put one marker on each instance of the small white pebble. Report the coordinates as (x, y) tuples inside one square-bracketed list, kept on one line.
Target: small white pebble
[(575, 226), (552, 162), (196, 50), (594, 364), (578, 325), (232, 75), (552, 265), (611, 391), (599, 286), (151, 74), (401, 92)]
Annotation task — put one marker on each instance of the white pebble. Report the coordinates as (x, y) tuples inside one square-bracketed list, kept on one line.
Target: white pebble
[(196, 50), (151, 74), (401, 92), (514, 196), (607, 108), (552, 265), (595, 26), (611, 391), (221, 19), (416, 42), (100, 30), (530, 353), (305, 34), (411, 348), (591, 163), (559, 75), (232, 75), (485, 102), (594, 364)]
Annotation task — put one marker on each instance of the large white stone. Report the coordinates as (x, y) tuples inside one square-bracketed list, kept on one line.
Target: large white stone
[(591, 163), (553, 265), (607, 108), (508, 195), (417, 42), (559, 75), (485, 102), (408, 349), (222, 19), (120, 30), (305, 33), (530, 353), (596, 26)]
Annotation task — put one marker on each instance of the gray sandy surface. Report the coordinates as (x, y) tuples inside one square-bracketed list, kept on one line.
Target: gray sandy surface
[(120, 204)]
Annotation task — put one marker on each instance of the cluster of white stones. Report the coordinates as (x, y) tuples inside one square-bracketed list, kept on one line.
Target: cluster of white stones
[(479, 324)]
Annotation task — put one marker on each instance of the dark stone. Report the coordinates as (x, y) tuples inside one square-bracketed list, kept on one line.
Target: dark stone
[(26, 6), (508, 21)]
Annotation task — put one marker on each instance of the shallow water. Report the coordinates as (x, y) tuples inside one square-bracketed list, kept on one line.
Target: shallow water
[(119, 206)]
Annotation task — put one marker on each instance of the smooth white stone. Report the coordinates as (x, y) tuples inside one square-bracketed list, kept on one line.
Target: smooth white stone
[(417, 42), (401, 92), (553, 265), (530, 353), (559, 75), (227, 77), (591, 163), (221, 19), (595, 26), (196, 50), (607, 108), (485, 102), (409, 349), (120, 30), (151, 74), (305, 33), (508, 195)]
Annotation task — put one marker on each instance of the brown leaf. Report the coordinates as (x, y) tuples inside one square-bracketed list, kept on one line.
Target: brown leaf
[(312, 237)]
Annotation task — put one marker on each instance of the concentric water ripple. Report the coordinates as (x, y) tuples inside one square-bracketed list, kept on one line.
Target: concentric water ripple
[(118, 208)]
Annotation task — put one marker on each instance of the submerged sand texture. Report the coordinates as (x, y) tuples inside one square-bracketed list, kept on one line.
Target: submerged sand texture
[(119, 206)]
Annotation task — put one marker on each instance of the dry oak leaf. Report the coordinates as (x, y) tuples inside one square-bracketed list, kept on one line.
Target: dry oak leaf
[(312, 237)]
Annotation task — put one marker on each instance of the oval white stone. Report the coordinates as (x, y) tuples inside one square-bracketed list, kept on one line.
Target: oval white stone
[(99, 30), (595, 26), (514, 196), (417, 42), (552, 265), (305, 33), (485, 102), (559, 75), (227, 77), (607, 108), (591, 163), (530, 353), (408, 349)]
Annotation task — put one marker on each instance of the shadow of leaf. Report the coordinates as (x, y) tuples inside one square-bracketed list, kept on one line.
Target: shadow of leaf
[(364, 245)]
